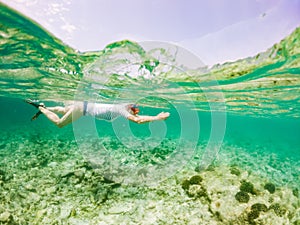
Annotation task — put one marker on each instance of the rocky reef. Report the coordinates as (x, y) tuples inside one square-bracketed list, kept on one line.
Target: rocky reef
[(48, 181)]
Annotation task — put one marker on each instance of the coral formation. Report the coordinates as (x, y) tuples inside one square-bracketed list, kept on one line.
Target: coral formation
[(278, 209), (270, 187), (253, 214), (59, 186), (185, 185), (242, 197), (235, 171), (296, 192), (247, 187), (259, 207), (2, 175), (196, 179), (194, 189)]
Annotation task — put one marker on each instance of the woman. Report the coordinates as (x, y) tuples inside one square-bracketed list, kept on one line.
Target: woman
[(99, 111)]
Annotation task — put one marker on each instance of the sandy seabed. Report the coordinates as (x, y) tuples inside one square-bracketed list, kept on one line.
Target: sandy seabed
[(48, 181)]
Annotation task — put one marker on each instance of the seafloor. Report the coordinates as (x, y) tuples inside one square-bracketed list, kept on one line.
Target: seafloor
[(44, 179)]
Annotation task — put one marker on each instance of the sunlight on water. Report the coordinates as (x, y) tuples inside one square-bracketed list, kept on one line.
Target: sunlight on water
[(40, 66)]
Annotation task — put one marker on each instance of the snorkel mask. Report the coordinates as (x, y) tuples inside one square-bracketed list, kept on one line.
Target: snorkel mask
[(134, 108)]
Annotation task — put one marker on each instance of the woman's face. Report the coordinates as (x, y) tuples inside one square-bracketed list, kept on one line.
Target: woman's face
[(134, 109)]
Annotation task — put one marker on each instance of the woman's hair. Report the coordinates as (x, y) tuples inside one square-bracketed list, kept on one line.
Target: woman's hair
[(132, 107)]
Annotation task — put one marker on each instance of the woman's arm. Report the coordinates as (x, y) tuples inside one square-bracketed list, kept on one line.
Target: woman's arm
[(146, 119)]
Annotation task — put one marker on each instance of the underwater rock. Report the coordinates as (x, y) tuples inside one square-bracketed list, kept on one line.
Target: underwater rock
[(270, 187), (87, 165), (235, 171), (79, 174), (196, 179), (107, 179), (185, 185), (34, 198), (120, 209), (101, 196), (65, 211), (247, 187), (197, 191), (191, 190), (199, 169), (211, 167), (253, 214), (6, 217), (218, 215), (242, 197), (50, 190), (259, 207), (43, 162), (30, 187), (115, 185), (194, 189), (61, 145), (96, 200), (73, 212), (67, 174), (296, 192), (100, 193), (278, 209), (271, 200), (39, 215), (2, 175), (53, 164), (72, 177)]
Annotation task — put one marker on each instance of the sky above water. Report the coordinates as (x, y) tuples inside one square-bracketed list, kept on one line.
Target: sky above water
[(216, 31)]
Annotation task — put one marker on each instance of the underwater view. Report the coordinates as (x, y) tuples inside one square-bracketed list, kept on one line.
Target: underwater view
[(229, 153)]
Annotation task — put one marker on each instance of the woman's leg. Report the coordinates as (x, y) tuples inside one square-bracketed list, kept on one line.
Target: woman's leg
[(58, 109), (70, 114)]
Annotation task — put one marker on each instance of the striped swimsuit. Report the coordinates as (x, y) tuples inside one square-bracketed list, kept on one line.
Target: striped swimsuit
[(105, 111)]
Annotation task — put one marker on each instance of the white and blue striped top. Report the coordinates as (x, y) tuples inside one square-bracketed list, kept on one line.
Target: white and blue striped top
[(106, 111)]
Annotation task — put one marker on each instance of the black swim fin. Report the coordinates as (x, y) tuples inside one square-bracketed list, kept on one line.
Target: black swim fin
[(36, 115), (34, 103)]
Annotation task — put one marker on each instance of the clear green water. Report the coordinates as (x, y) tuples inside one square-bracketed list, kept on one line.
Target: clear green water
[(244, 113)]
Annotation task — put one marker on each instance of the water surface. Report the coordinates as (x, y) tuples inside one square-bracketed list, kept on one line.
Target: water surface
[(242, 114)]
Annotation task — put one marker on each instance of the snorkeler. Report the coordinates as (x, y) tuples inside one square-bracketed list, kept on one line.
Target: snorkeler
[(76, 110)]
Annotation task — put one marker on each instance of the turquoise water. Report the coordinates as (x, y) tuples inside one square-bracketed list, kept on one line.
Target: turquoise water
[(242, 115)]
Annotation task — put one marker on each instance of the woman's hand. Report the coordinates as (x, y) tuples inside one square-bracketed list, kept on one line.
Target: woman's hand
[(146, 119), (163, 115)]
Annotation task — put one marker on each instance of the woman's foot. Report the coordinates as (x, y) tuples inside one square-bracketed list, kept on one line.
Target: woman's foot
[(35, 103)]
